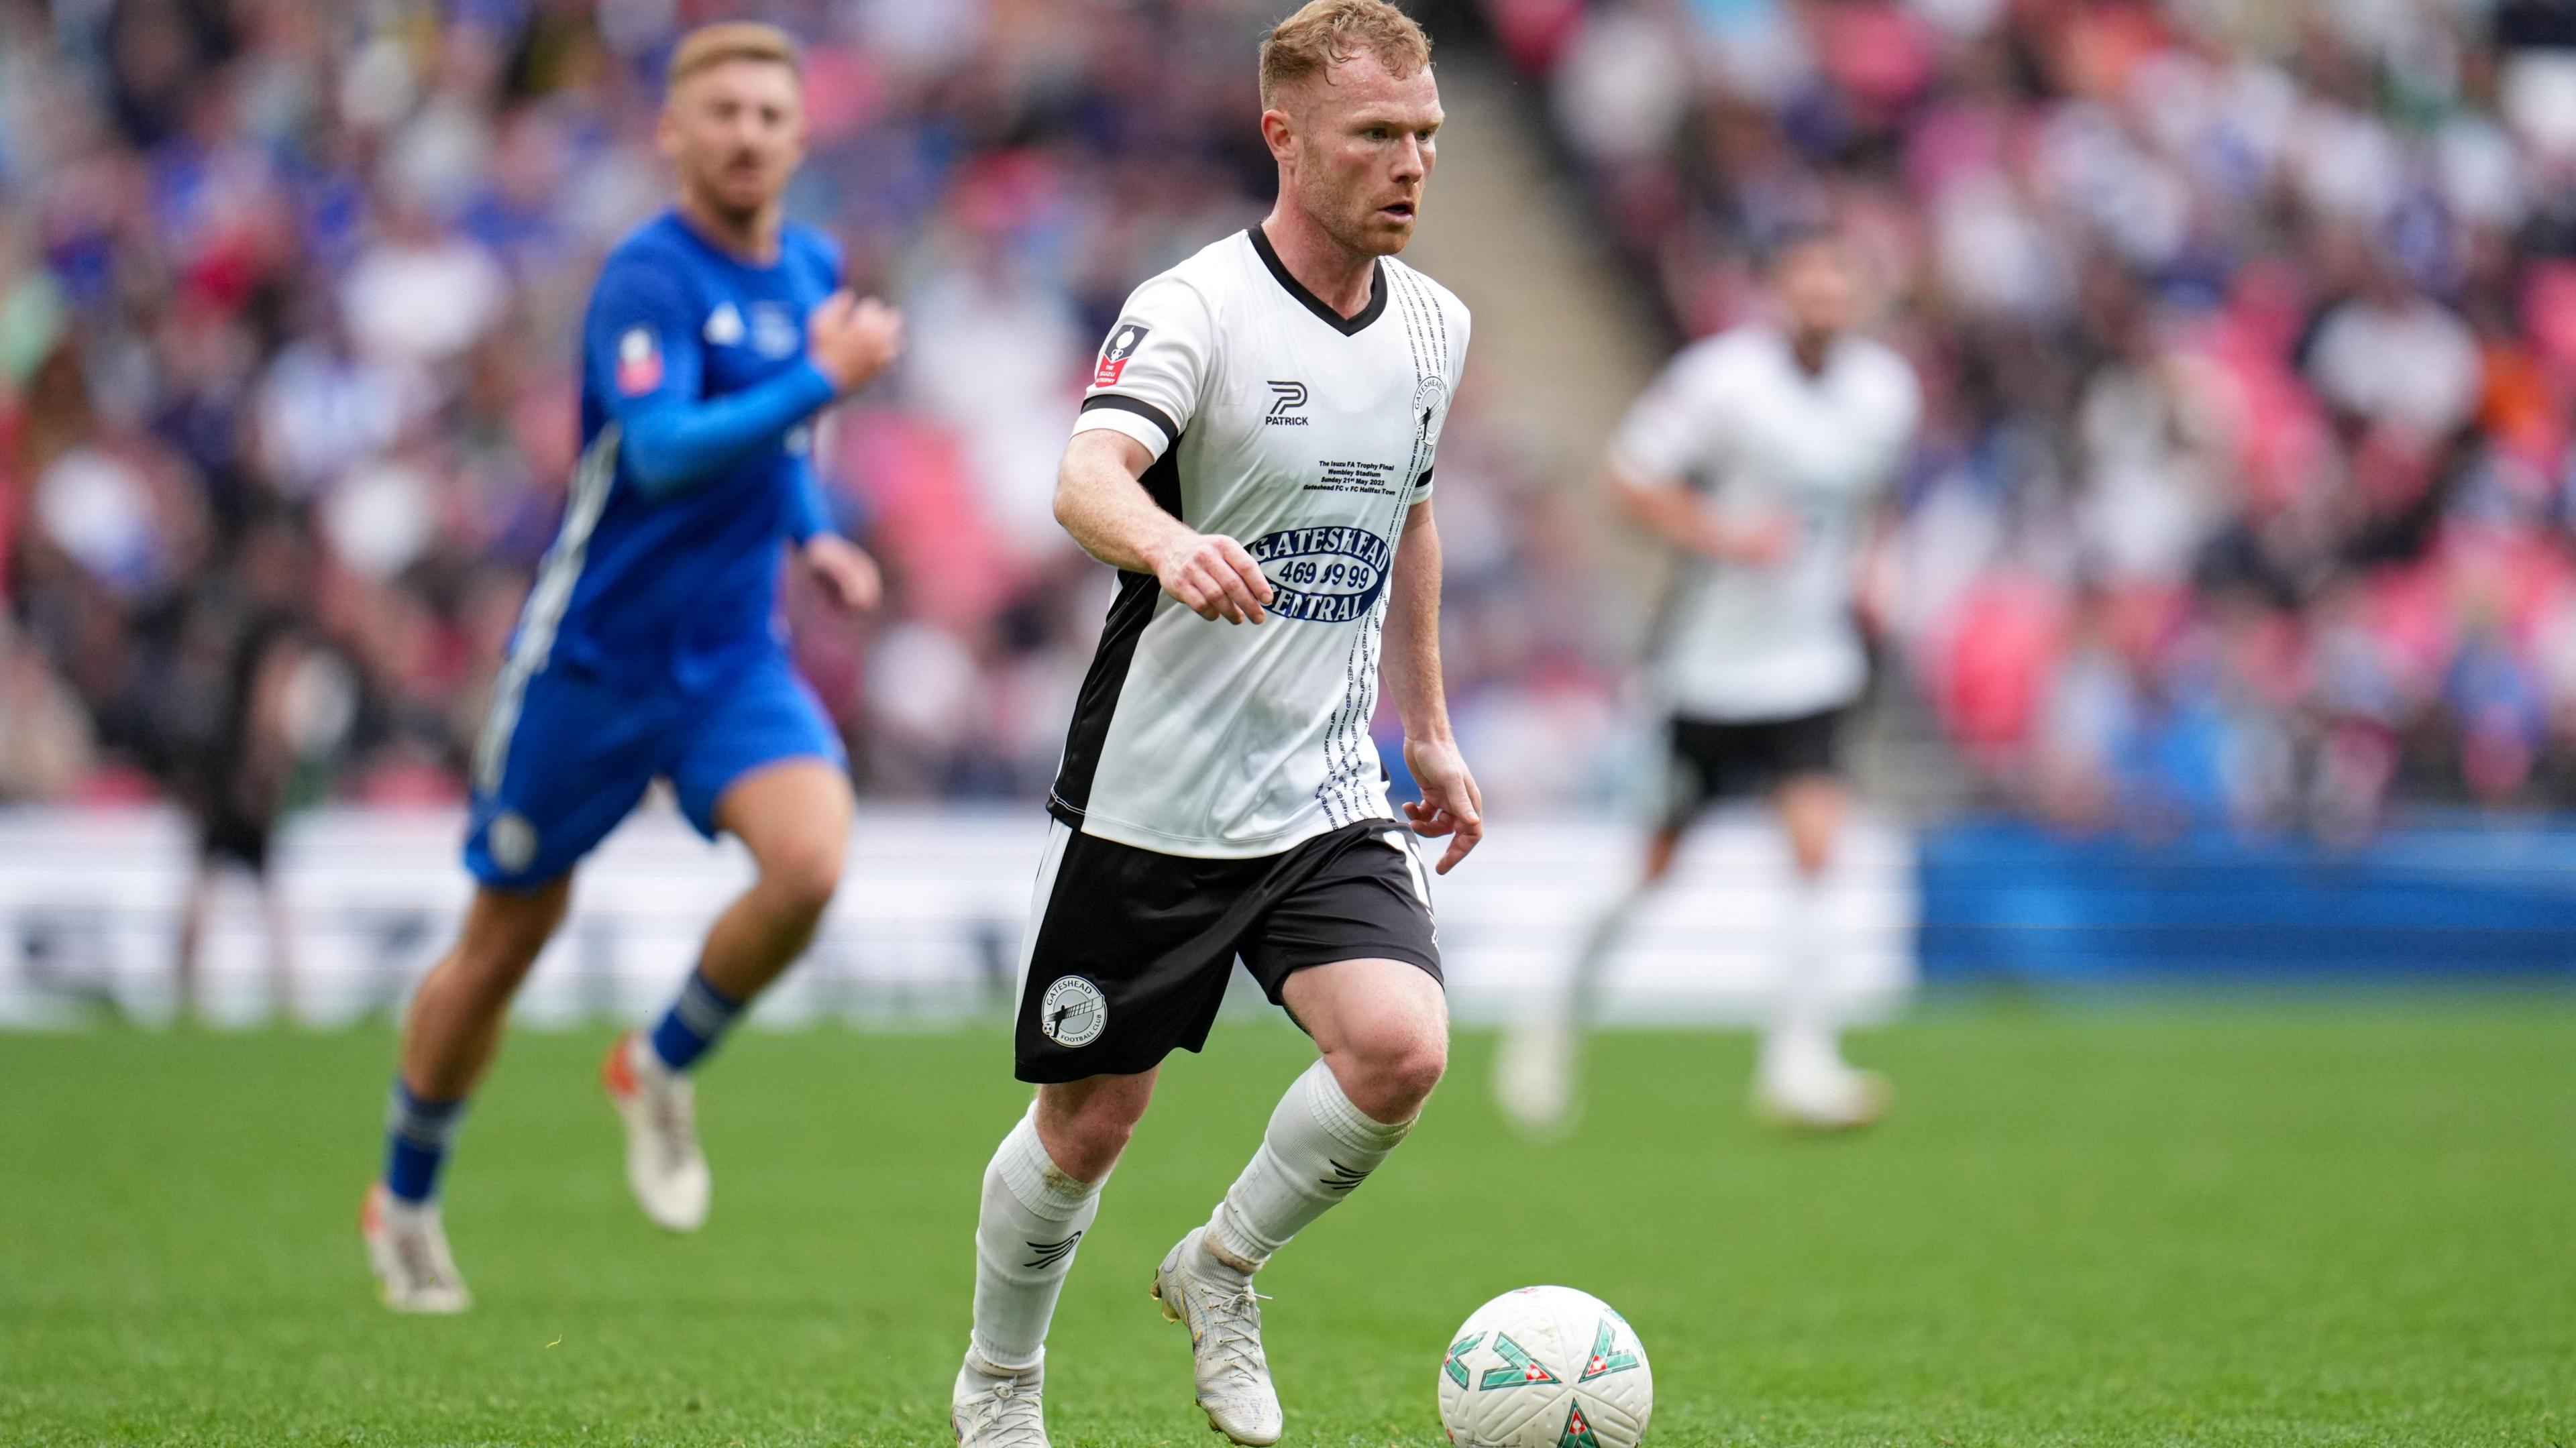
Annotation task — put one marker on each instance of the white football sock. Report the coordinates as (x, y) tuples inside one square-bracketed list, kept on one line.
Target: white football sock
[(1804, 1037), (1034, 1216), (1319, 1146)]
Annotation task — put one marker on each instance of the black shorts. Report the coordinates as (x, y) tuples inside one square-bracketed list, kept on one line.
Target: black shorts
[(232, 835), (1714, 759), (1133, 947)]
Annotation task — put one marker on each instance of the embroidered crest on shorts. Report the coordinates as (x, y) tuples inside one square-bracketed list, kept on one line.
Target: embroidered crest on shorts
[(1073, 1013)]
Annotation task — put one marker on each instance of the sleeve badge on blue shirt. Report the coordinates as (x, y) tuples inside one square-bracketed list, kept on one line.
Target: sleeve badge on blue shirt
[(639, 361)]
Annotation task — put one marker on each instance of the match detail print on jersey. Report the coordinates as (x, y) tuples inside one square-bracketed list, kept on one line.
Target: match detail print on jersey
[(1308, 437)]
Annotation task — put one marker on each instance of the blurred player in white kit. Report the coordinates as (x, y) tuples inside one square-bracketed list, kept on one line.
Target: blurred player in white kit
[(1760, 455)]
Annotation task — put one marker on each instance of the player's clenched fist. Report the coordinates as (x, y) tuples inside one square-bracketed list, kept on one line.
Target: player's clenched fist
[(848, 576), (1213, 576), (851, 340)]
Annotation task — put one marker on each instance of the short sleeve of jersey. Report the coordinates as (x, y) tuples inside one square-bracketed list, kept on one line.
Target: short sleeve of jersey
[(640, 340), (1665, 434), (1153, 367)]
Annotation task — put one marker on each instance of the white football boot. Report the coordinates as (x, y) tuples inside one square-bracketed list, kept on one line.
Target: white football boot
[(1223, 1315), (998, 1410), (1819, 1095), (407, 1250), (1534, 1075), (660, 1108)]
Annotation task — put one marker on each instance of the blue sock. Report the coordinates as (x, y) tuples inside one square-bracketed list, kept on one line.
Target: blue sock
[(416, 1137), (694, 1023)]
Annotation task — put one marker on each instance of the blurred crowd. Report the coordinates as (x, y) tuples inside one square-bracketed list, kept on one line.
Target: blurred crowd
[(2248, 329), (288, 306)]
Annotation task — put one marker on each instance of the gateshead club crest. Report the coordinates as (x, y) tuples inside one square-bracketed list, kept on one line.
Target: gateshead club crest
[(1073, 1012)]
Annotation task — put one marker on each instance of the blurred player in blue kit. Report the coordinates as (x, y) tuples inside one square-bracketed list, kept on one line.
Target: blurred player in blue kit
[(648, 648)]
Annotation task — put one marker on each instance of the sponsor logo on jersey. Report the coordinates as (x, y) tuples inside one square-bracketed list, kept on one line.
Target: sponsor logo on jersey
[(639, 361), (1292, 395), (1123, 341), (773, 330), (724, 326), (1322, 575), (1073, 1012)]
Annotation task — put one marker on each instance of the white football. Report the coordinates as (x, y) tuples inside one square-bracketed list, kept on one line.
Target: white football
[(1546, 1367)]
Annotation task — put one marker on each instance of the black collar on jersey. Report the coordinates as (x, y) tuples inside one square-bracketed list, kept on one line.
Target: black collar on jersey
[(1347, 326)]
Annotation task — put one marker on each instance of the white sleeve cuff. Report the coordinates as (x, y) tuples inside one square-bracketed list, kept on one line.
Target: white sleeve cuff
[(1146, 430)]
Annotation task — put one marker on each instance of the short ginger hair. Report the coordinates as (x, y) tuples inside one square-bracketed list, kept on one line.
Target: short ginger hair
[(709, 46), (1325, 32)]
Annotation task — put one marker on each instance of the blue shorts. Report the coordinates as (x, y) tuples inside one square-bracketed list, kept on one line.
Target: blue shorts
[(578, 754)]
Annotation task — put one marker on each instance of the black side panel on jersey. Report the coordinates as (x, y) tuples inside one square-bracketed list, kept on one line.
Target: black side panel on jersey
[(1107, 678)]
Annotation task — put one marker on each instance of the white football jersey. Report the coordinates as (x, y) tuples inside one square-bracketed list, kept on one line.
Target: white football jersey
[(1736, 417), (1306, 437)]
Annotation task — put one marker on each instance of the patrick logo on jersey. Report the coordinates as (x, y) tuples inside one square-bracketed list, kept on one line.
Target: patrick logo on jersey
[(1322, 575)]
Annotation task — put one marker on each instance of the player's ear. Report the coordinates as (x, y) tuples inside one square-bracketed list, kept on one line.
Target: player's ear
[(666, 132), (1280, 133)]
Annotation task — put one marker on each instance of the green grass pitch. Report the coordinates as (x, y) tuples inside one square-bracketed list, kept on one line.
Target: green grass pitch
[(2306, 1221)]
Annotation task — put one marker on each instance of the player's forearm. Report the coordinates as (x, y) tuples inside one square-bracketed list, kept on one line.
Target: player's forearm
[(809, 513), (1413, 631), (674, 446), (1100, 502), (1664, 509)]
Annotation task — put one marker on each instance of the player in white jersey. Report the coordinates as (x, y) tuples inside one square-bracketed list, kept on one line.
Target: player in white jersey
[(1255, 457), (1759, 455)]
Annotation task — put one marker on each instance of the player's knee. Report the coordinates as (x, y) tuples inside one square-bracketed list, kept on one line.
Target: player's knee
[(1095, 1146), (1394, 1074), (1811, 850), (1087, 1140), (502, 938), (802, 876)]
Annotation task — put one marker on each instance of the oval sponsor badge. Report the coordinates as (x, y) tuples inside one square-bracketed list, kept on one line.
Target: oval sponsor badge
[(1322, 575)]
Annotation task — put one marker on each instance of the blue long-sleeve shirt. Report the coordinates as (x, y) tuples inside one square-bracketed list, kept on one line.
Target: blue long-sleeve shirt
[(696, 408)]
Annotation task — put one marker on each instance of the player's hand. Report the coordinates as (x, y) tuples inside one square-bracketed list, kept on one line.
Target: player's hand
[(848, 575), (1212, 576), (1451, 804), (851, 341)]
